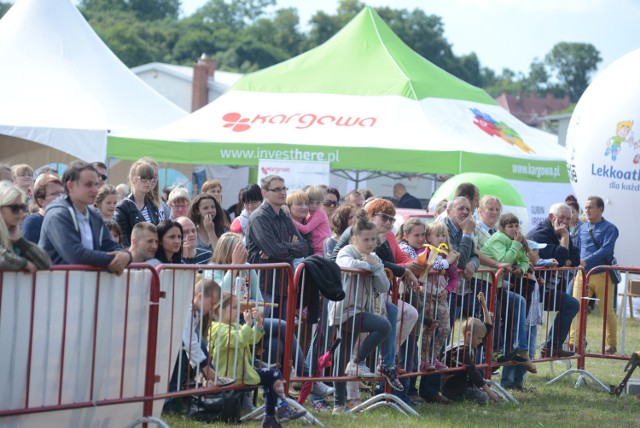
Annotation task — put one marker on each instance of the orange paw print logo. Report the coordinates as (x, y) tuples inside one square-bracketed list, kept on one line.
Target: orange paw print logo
[(236, 122)]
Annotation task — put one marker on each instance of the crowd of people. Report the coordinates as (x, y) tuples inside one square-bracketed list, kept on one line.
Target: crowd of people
[(442, 266)]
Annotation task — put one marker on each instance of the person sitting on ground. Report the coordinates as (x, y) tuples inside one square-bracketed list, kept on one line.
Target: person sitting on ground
[(144, 242), (179, 201), (469, 384), (210, 220), (106, 201), (194, 367), (316, 224), (72, 233), (16, 253), (47, 189), (232, 344), (251, 197), (191, 253), (230, 250)]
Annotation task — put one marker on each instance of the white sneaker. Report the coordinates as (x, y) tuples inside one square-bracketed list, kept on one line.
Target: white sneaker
[(360, 370), (321, 389)]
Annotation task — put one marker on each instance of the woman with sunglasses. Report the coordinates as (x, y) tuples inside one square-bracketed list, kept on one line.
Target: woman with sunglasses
[(16, 253), (331, 201), (141, 204)]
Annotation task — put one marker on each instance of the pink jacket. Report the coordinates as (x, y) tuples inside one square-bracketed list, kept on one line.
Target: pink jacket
[(318, 226)]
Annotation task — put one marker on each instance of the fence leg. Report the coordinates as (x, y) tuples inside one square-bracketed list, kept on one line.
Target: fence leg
[(503, 393), (389, 400), (159, 422), (584, 375), (308, 418)]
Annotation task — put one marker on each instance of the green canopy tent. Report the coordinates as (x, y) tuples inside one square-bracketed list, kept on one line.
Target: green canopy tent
[(361, 101)]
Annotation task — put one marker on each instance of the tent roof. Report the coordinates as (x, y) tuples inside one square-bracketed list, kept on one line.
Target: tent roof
[(364, 58), (408, 116), (62, 87)]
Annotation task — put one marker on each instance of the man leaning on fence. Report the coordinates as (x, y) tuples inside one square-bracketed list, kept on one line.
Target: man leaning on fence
[(273, 238), (597, 242), (72, 233)]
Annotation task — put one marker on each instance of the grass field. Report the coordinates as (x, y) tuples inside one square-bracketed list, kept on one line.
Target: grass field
[(558, 405)]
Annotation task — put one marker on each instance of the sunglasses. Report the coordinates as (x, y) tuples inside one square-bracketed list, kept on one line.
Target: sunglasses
[(16, 208), (330, 203), (103, 177), (386, 217)]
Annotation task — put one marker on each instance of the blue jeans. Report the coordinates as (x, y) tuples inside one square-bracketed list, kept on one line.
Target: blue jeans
[(514, 316), (274, 336), (389, 346), (514, 375), (567, 307)]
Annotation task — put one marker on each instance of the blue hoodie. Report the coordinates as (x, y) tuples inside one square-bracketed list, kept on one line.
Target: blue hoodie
[(60, 236)]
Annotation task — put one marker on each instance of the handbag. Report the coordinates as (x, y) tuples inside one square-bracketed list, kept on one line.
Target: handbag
[(616, 277), (224, 406)]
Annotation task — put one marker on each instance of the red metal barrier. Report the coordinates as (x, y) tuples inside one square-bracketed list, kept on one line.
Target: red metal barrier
[(88, 335), (593, 284), (259, 282)]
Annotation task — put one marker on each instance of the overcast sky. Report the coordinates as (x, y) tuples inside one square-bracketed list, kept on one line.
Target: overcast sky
[(511, 33)]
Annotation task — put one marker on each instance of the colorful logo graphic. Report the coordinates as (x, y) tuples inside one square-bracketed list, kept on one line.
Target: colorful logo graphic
[(238, 123), (623, 135), (499, 129)]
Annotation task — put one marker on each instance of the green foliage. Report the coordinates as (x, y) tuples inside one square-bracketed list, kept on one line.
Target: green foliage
[(572, 65), (247, 35)]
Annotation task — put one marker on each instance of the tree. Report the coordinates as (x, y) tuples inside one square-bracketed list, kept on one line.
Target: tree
[(235, 14), (144, 10), (572, 65)]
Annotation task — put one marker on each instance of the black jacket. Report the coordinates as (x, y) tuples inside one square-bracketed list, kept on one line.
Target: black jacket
[(322, 276), (128, 215)]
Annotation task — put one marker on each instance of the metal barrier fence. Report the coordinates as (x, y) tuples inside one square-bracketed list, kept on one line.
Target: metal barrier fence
[(93, 340), (77, 341), (600, 286)]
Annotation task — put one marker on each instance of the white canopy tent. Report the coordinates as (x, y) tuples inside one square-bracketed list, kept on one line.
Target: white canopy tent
[(63, 88)]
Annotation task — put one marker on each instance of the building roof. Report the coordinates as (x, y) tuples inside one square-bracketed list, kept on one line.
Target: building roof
[(220, 82), (530, 108)]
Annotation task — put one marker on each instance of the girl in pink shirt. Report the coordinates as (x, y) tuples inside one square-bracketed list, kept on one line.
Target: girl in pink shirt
[(317, 223)]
